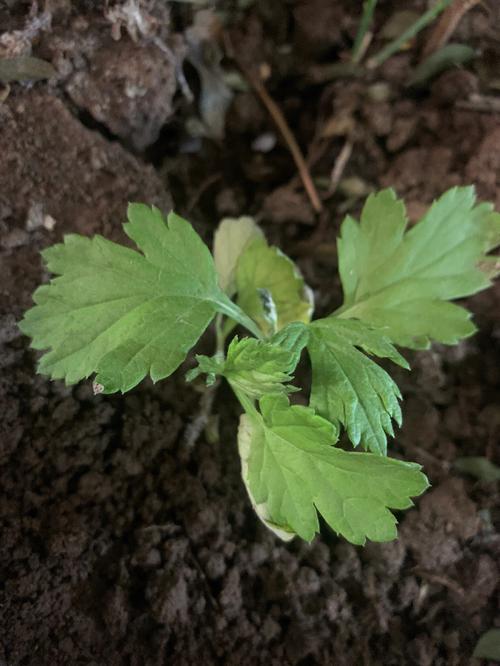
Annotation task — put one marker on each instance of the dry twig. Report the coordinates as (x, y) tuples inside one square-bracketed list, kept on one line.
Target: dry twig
[(281, 124), (4, 92), (480, 103), (339, 166), (205, 185), (437, 579), (447, 25), (293, 146)]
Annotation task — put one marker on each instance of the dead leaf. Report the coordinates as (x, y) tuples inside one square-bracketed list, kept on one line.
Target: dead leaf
[(25, 68), (205, 56)]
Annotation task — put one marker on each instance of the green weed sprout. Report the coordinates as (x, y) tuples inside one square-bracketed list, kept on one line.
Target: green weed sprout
[(122, 314)]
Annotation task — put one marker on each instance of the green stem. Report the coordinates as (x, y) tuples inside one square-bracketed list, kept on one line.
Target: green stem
[(364, 25), (247, 404), (424, 20), (233, 311), (220, 338)]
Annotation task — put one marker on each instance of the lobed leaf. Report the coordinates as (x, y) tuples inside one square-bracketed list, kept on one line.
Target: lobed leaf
[(122, 314), (292, 472), (348, 387), (402, 280)]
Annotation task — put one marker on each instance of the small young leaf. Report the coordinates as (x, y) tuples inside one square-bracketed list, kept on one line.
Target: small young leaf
[(292, 470), (401, 281), (211, 366), (231, 238), (446, 57), (488, 646), (254, 367), (479, 467), (265, 268), (348, 387), (123, 314)]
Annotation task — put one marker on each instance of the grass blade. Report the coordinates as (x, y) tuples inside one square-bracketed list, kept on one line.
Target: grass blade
[(394, 46)]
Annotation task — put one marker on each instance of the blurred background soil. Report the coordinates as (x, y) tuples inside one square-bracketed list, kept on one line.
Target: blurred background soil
[(119, 544)]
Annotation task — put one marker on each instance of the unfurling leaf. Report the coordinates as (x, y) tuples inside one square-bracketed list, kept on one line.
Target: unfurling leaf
[(257, 367), (270, 288)]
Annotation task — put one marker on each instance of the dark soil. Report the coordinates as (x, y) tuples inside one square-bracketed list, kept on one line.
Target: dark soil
[(120, 544)]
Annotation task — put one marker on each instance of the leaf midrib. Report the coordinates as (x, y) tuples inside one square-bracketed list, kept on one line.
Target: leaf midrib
[(363, 299)]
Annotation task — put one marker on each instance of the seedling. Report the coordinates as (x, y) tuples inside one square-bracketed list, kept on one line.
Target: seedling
[(122, 314), (363, 33)]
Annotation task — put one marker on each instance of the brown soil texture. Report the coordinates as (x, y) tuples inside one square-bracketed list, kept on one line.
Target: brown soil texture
[(119, 544)]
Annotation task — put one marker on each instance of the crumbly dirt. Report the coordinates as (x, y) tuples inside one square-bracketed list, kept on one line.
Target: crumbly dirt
[(121, 545)]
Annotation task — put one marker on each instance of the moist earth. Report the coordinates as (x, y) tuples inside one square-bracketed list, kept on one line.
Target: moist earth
[(122, 541)]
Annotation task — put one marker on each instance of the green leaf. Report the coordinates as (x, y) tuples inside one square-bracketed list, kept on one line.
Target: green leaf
[(292, 471), (270, 288), (401, 280), (350, 388), (446, 57), (479, 467), (488, 646), (257, 367), (230, 240), (120, 313), (294, 337)]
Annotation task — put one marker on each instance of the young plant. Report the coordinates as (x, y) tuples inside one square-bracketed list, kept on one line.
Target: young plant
[(122, 314)]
